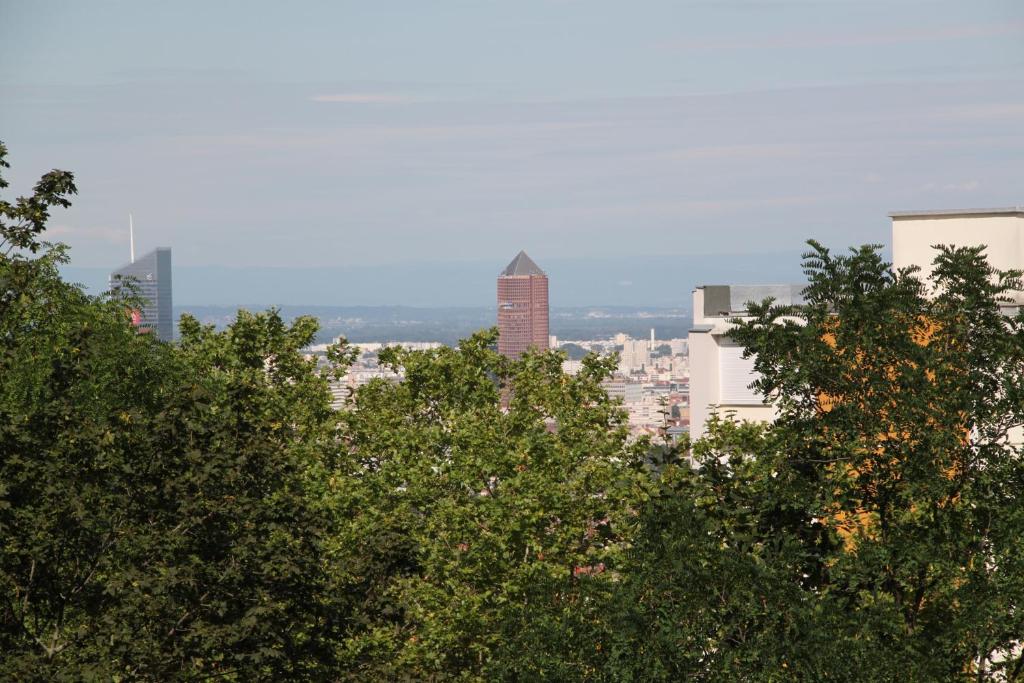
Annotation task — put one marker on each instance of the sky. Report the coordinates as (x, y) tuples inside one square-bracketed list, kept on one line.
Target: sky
[(357, 134)]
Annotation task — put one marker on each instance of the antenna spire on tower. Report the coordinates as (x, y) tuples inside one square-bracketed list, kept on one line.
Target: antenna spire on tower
[(131, 235)]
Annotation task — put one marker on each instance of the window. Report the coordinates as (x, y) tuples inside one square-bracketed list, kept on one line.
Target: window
[(735, 374)]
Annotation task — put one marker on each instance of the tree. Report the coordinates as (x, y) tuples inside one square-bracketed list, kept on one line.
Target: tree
[(874, 527), (196, 510), (497, 497), (661, 350), (713, 586), (574, 351), (162, 507)]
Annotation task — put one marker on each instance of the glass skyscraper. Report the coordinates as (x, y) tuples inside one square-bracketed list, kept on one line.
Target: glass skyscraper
[(149, 279)]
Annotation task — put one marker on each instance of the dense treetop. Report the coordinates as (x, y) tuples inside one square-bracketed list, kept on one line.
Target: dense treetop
[(197, 511)]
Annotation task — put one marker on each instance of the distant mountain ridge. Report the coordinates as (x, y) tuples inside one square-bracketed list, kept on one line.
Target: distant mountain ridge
[(627, 281), (449, 324)]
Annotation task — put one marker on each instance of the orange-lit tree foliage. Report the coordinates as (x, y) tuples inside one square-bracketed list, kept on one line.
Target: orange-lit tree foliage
[(900, 407)]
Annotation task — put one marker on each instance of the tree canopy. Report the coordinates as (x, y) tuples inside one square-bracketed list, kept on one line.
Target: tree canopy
[(196, 510), (873, 530)]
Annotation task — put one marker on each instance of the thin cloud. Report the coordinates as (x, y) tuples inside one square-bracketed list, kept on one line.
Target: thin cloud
[(648, 209), (80, 233), (735, 152), (852, 39), (367, 137), (964, 186), (983, 111), (364, 98)]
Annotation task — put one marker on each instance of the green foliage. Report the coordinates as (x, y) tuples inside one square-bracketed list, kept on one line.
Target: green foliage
[(496, 499), (872, 533), (574, 351), (661, 351), (196, 510), (901, 404), (160, 506)]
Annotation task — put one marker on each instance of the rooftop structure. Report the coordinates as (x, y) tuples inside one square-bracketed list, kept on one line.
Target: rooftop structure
[(1015, 211), (729, 301), (522, 265), (720, 376)]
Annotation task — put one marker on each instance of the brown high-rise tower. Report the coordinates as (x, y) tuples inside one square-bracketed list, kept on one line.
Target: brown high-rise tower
[(522, 307)]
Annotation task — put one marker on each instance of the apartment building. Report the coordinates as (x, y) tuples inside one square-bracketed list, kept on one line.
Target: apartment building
[(1001, 231), (720, 376)]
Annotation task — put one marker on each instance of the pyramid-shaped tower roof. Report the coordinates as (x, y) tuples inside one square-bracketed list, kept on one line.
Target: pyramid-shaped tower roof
[(522, 265)]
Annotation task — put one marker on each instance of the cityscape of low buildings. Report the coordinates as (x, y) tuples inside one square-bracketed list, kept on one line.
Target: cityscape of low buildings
[(667, 387), (365, 368), (654, 394), (652, 381)]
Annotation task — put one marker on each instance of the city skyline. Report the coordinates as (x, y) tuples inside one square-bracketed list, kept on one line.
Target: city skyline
[(759, 417), (655, 280)]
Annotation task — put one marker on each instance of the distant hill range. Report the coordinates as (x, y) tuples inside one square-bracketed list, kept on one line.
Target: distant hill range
[(660, 281), (449, 324)]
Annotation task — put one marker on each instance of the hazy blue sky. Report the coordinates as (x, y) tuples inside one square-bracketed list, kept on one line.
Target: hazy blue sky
[(340, 133)]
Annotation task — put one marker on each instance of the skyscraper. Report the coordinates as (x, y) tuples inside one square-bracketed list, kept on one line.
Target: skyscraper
[(150, 275), (522, 307)]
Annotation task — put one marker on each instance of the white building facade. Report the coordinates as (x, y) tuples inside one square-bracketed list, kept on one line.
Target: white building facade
[(1001, 231), (720, 377)]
